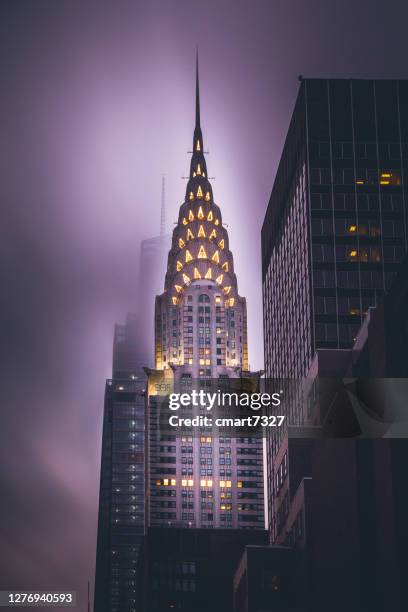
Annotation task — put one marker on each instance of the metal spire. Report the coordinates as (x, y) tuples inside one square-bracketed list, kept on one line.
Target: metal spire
[(197, 117), (163, 209)]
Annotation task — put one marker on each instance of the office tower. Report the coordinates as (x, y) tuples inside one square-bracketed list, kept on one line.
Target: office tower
[(208, 480), (152, 268), (121, 496), (334, 235)]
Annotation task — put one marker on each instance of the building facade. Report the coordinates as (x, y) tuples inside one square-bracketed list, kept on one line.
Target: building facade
[(211, 479), (334, 234), (121, 495)]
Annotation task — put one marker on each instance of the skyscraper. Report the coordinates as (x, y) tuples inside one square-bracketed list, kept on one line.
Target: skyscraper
[(121, 496), (208, 480), (333, 238)]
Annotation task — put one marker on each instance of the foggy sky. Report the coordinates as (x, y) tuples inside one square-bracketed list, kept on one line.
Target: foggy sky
[(97, 102)]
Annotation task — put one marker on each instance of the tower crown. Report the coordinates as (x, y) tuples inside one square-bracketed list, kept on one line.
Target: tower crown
[(200, 246)]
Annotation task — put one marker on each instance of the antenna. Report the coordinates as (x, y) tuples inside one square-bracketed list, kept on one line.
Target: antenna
[(89, 598), (163, 207)]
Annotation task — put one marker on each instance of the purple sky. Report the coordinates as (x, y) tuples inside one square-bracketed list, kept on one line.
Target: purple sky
[(97, 102)]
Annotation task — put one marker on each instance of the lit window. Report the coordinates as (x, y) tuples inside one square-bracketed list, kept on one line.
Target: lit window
[(166, 482), (200, 214), (217, 299), (221, 243), (222, 483), (199, 192), (178, 288), (201, 232), (191, 216), (158, 483), (198, 146), (216, 222), (201, 253), (228, 484), (359, 182), (190, 235), (186, 279), (179, 266), (353, 253), (216, 257), (189, 257), (225, 266), (212, 235), (173, 482), (185, 221), (184, 482), (197, 274), (209, 439), (181, 243), (239, 484), (219, 279), (232, 301), (207, 198), (190, 483), (209, 483), (208, 275), (227, 290), (352, 229), (199, 169), (203, 483), (174, 300), (191, 196)]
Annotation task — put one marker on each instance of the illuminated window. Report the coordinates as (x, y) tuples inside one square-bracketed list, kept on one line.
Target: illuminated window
[(173, 482), (185, 221), (199, 192), (208, 274), (225, 266), (239, 484), (179, 266), (190, 235), (197, 274), (221, 243), (212, 235), (208, 439), (178, 288), (219, 279), (360, 182), (198, 146), (174, 300), (222, 483), (181, 243), (227, 290), (216, 222), (203, 483), (200, 214), (201, 232), (199, 169), (201, 253), (158, 483), (186, 279), (210, 216), (190, 483), (352, 229), (190, 216), (166, 482), (209, 483), (231, 301), (191, 196), (216, 257), (184, 482), (189, 257), (218, 299), (207, 197), (228, 484), (353, 254)]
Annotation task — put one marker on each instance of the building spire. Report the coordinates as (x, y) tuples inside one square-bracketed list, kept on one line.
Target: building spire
[(197, 117), (163, 209)]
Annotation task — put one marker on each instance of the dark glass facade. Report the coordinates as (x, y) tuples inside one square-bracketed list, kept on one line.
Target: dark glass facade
[(335, 230), (121, 497)]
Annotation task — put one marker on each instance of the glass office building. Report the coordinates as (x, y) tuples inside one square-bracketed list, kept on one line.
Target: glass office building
[(335, 230)]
